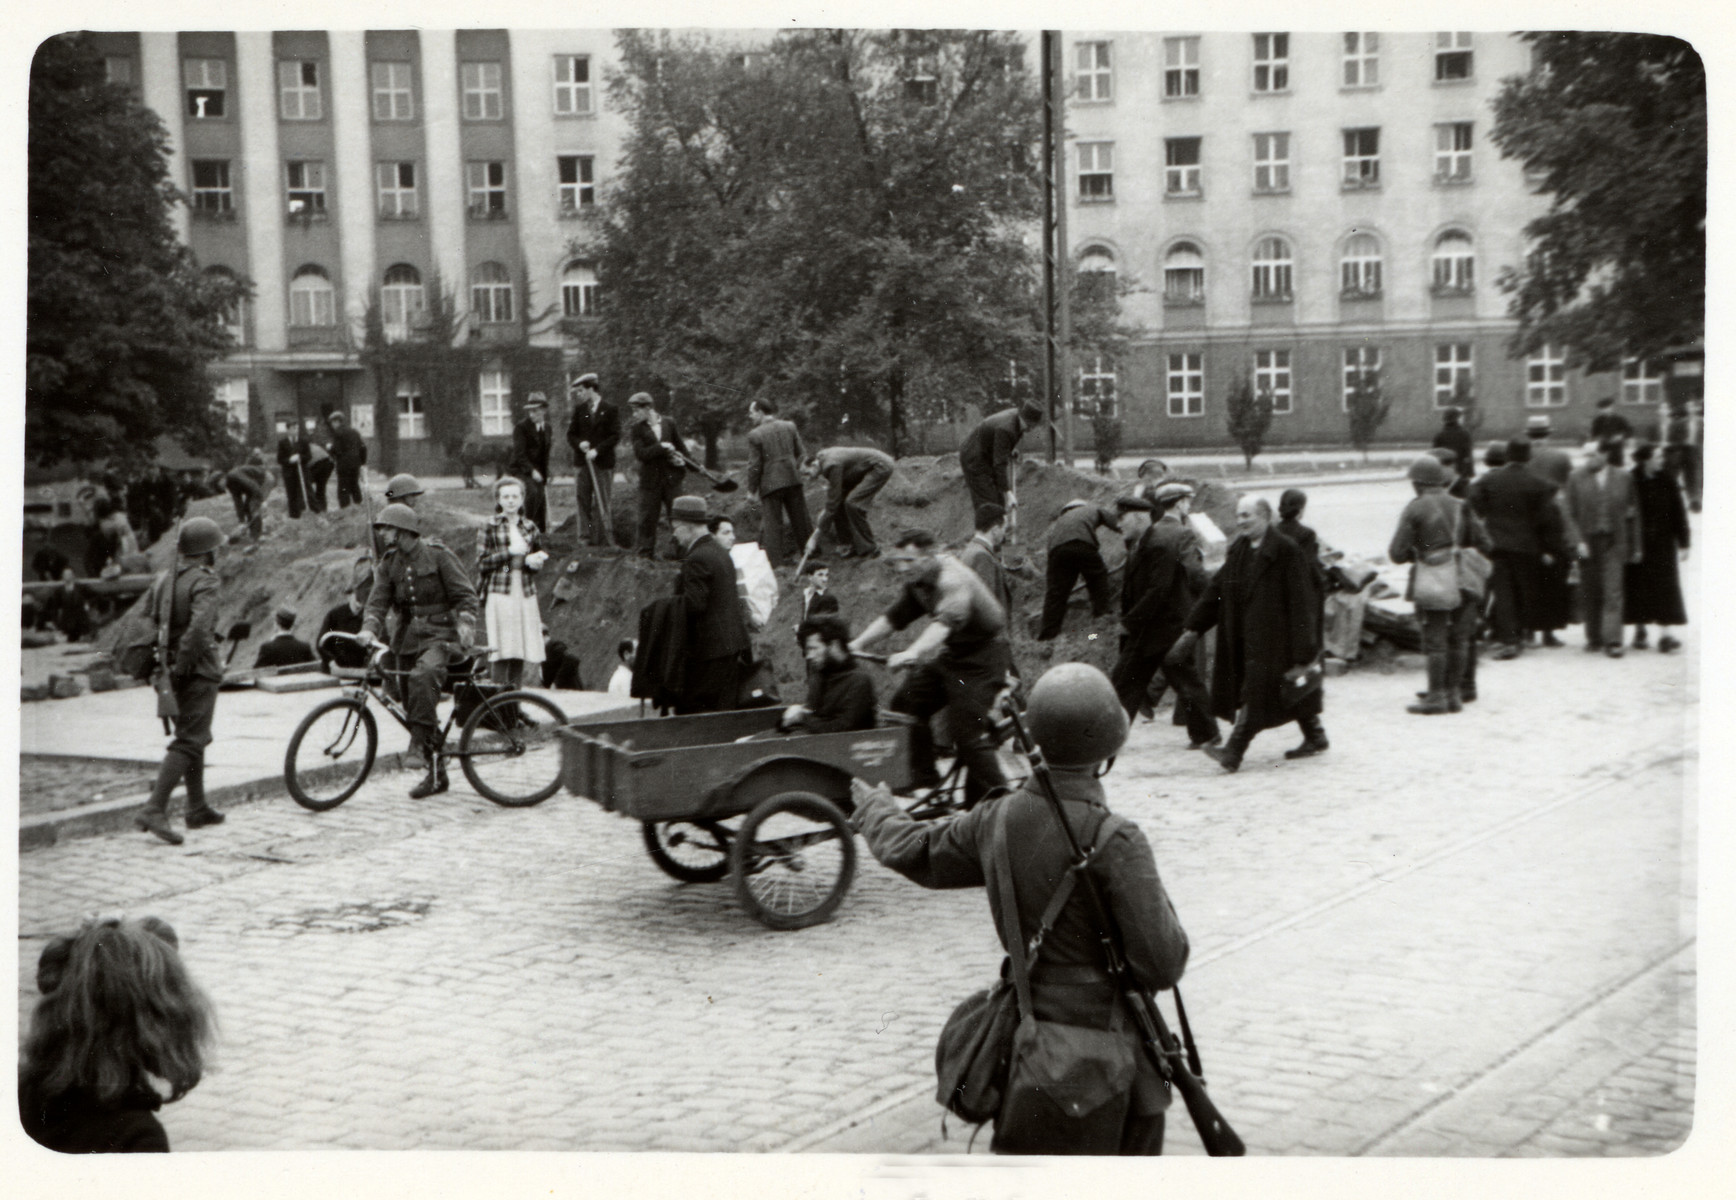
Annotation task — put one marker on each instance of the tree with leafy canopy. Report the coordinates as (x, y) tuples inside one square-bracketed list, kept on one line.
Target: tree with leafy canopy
[(121, 323), (1250, 417), (1366, 408), (1613, 125), (835, 223)]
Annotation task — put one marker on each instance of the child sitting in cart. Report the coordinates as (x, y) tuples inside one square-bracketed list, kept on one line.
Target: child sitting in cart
[(840, 693)]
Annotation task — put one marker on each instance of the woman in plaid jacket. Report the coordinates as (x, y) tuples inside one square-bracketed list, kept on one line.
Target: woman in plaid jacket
[(511, 553)]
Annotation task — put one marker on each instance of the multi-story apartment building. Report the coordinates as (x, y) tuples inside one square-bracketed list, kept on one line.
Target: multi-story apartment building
[(1297, 209), (339, 170), (1289, 208)]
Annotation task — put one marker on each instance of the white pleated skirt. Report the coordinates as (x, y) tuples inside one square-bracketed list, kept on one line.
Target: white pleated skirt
[(513, 623)]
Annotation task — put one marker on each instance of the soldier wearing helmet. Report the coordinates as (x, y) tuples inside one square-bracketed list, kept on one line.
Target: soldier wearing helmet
[(1430, 530), (186, 597), (425, 584), (1014, 845), (404, 489)]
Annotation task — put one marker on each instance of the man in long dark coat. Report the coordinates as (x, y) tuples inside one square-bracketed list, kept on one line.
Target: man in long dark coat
[(1518, 509), (1164, 576), (1263, 603), (716, 624), (290, 463), (529, 463), (1653, 591)]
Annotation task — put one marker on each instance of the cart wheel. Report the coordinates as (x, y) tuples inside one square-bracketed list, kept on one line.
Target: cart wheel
[(688, 852), (509, 750), (793, 860), (330, 754)]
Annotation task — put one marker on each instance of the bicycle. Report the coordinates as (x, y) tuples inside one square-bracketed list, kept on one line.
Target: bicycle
[(506, 743)]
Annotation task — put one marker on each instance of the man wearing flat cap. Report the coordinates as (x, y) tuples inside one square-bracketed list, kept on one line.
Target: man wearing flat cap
[(1165, 574), (593, 433), (658, 446), (529, 463), (717, 636)]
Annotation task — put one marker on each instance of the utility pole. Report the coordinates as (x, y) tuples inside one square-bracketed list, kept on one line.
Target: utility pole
[(1057, 316)]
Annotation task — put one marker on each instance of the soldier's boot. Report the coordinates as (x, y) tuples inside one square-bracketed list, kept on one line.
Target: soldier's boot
[(1436, 700), (199, 811), (434, 782), (155, 818)]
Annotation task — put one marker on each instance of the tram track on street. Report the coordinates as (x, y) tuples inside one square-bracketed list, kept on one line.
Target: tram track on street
[(1650, 758)]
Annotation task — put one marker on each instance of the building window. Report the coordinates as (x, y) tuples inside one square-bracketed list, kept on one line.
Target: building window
[(491, 293), (1184, 275), (1452, 56), (573, 85), (577, 189), (412, 416), (1453, 152), (1361, 59), (392, 97), (579, 291), (1361, 366), (1096, 171), (212, 193), (1185, 385), (1272, 269), (298, 90), (232, 399), (118, 71), (397, 184), (482, 94), (1181, 159), (1546, 378), (1181, 67), (1092, 80), (401, 301), (307, 188), (1271, 62), (1362, 158), (1641, 382), (487, 183), (1360, 267), (496, 388), (312, 302), (1097, 276), (207, 87), (362, 419), (1271, 162), (1096, 388), (924, 86), (1454, 263), (1272, 377), (1452, 372)]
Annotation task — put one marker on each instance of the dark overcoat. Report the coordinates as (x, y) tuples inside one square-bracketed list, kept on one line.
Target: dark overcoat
[(716, 626), (1265, 607), (1653, 591), (1163, 579)]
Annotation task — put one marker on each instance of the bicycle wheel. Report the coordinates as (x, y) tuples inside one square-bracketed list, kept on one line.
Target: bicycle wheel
[(509, 750), (793, 860), (687, 851), (330, 753)]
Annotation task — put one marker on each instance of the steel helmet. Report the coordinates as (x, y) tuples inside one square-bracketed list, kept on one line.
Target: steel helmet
[(401, 486), (398, 516), (1428, 471), (1075, 715), (199, 535)]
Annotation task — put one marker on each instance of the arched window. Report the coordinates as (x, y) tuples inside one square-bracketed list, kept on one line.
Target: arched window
[(579, 291), (1360, 266), (491, 293), (232, 315), (1097, 275), (1454, 263), (401, 300), (1272, 269), (1184, 275), (311, 299)]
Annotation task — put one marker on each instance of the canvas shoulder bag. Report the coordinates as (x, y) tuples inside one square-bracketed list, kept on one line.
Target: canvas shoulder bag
[(1435, 580), (1474, 566)]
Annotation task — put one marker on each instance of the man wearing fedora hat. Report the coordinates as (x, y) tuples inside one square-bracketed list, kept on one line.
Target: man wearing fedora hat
[(593, 433), (530, 458), (716, 626), (658, 446)]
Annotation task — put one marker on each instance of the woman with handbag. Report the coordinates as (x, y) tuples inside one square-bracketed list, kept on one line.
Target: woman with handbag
[(511, 554), (1065, 1070), (1448, 548)]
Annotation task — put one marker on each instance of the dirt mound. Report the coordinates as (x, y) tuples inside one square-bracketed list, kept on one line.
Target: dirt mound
[(305, 564)]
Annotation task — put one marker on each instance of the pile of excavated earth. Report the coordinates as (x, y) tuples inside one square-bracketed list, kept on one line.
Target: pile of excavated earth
[(305, 564)]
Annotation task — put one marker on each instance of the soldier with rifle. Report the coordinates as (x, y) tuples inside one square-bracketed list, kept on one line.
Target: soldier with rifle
[(1091, 963)]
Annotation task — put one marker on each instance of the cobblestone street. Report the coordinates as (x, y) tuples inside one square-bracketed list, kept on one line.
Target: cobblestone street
[(1466, 936)]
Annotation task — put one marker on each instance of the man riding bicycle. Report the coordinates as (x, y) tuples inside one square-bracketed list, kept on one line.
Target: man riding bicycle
[(436, 604), (961, 662)]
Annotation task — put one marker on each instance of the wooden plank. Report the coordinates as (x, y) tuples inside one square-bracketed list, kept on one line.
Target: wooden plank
[(296, 683)]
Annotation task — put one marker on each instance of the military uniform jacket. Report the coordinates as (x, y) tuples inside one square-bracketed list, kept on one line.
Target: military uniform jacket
[(429, 590), (193, 624)]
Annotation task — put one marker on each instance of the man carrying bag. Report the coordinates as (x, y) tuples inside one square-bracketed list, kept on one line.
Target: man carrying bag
[(1083, 1074)]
